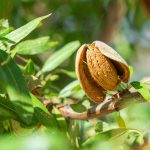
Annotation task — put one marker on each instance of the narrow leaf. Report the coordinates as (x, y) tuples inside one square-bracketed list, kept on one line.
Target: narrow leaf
[(60, 56), (7, 110), (68, 90), (29, 68), (4, 27), (115, 137), (36, 46), (78, 107), (12, 81), (121, 121), (20, 33), (142, 88), (4, 23), (99, 127), (37, 103), (61, 122), (71, 74), (3, 31), (42, 114), (131, 70)]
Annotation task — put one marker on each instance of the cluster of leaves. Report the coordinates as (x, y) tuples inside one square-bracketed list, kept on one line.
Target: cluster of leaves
[(22, 110)]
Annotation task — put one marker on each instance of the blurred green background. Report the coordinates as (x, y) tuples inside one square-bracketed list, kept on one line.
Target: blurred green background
[(123, 24)]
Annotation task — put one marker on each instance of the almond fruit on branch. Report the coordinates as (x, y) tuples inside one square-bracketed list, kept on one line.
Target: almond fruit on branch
[(100, 68)]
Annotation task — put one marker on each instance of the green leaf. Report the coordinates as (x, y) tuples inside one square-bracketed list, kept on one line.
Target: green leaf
[(36, 46), (12, 81), (37, 103), (3, 31), (45, 119), (69, 89), (131, 70), (99, 126), (121, 121), (60, 56), (4, 43), (71, 74), (61, 122), (7, 110), (42, 114), (29, 68), (4, 27), (20, 33), (4, 23), (142, 88), (78, 107), (115, 137)]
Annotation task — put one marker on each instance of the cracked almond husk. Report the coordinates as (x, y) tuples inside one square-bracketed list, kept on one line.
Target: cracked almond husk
[(100, 68)]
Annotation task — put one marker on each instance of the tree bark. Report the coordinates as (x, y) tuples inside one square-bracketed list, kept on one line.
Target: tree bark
[(107, 107), (116, 11)]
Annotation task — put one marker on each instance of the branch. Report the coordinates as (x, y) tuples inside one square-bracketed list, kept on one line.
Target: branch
[(106, 107)]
